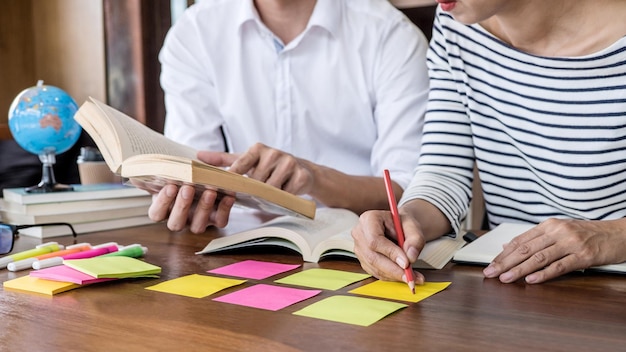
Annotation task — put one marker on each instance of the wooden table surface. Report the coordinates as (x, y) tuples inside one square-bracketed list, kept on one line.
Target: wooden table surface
[(579, 312)]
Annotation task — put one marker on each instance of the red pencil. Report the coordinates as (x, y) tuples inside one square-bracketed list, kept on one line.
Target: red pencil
[(398, 226)]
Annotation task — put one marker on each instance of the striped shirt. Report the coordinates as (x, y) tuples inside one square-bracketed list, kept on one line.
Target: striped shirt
[(547, 134)]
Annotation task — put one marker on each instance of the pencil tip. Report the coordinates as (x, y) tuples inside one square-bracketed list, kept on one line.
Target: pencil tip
[(412, 287)]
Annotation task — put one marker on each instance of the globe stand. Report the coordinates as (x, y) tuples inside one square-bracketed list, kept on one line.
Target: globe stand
[(48, 182)]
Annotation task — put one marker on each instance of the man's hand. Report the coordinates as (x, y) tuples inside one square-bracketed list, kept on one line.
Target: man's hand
[(269, 165), (179, 207)]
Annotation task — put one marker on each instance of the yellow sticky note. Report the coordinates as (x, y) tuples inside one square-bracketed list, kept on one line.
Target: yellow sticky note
[(351, 310), (196, 286), (33, 284), (327, 279), (113, 267), (400, 291)]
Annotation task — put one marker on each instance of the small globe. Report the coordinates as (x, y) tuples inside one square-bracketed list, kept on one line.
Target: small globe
[(41, 120)]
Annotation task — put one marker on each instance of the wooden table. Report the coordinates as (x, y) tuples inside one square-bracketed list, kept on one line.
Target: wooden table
[(579, 312)]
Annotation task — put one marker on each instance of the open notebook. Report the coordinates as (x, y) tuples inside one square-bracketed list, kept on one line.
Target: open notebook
[(486, 247)]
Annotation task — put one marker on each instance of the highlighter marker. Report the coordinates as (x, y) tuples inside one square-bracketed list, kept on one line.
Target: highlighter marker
[(39, 250), (133, 251), (93, 252), (28, 262)]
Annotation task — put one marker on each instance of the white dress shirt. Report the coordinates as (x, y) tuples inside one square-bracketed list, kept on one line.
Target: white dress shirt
[(349, 92)]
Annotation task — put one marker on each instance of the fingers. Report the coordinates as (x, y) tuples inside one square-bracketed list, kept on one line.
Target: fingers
[(179, 213), (413, 240), (513, 260), (161, 203), (300, 182), (274, 167), (548, 250), (220, 217), (202, 212), (179, 207), (220, 159), (246, 162), (378, 255), (555, 269)]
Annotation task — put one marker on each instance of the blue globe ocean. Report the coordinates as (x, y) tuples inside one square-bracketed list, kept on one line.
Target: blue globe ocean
[(41, 120)]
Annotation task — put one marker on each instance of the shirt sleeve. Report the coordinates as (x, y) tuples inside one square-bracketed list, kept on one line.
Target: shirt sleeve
[(190, 94), (401, 93), (445, 171)]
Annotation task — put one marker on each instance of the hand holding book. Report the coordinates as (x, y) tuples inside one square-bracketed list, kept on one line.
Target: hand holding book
[(152, 161)]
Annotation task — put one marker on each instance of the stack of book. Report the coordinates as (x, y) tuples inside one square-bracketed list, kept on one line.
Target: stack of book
[(89, 208)]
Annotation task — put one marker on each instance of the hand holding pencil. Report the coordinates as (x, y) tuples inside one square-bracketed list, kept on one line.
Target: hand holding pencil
[(398, 227)]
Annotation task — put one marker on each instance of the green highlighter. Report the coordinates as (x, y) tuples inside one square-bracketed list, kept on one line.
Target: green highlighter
[(134, 251)]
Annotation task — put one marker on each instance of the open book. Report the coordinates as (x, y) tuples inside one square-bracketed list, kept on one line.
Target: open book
[(327, 235), (486, 247), (135, 151)]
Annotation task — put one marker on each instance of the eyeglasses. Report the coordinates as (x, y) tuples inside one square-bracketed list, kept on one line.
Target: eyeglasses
[(8, 233)]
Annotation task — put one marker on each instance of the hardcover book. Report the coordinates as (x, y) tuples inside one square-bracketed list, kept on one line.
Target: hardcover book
[(135, 151), (327, 235), (80, 192)]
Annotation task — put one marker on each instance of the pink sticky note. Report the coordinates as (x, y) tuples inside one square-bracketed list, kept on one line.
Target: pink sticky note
[(66, 274), (253, 269), (267, 296)]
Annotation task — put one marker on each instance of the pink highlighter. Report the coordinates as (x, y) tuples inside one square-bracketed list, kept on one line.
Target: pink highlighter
[(93, 252)]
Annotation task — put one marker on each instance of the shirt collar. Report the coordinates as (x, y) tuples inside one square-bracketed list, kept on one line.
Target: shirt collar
[(326, 14), (247, 12)]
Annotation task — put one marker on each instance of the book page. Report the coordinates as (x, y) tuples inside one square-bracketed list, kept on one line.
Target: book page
[(137, 138), (296, 233), (486, 247), (437, 253), (329, 223), (119, 136)]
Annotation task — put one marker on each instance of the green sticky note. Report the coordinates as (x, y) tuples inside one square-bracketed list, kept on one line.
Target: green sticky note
[(113, 267), (400, 291), (351, 310), (327, 279), (196, 286)]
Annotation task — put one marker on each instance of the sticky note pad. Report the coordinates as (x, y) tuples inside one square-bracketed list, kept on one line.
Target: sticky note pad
[(196, 286), (351, 310), (400, 291), (327, 279), (267, 296), (33, 284), (66, 274), (254, 269), (113, 267)]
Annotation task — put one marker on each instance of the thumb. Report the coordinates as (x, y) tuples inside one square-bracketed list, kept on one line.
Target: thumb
[(222, 159), (413, 240)]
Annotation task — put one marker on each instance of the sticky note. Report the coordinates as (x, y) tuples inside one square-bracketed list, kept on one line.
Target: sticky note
[(113, 267), (351, 310), (254, 269), (196, 286), (327, 279), (399, 290), (33, 284), (66, 274), (267, 296)]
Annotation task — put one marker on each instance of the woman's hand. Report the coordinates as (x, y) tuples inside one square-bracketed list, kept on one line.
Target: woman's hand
[(558, 246), (378, 254)]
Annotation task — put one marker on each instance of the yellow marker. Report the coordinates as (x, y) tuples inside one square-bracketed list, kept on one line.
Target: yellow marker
[(39, 250)]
